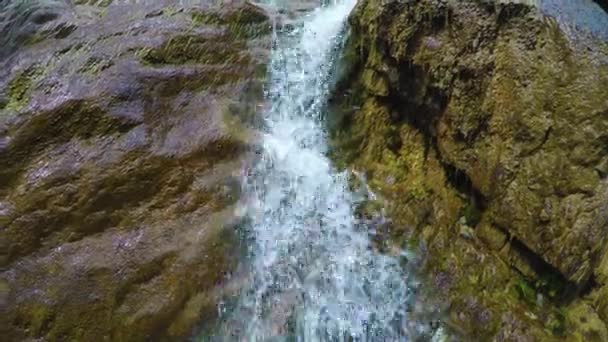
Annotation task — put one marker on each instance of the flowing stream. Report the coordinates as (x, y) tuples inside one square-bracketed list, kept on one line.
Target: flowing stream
[(314, 274)]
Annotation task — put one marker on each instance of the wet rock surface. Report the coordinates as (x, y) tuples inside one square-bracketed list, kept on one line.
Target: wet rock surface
[(581, 17), (124, 134), (585, 14), (483, 126)]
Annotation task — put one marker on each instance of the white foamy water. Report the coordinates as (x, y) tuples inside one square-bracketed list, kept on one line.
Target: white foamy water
[(314, 273)]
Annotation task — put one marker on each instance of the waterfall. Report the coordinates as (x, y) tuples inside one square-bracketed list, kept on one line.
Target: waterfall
[(315, 275)]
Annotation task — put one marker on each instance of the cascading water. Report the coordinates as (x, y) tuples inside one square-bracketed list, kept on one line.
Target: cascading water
[(314, 273)]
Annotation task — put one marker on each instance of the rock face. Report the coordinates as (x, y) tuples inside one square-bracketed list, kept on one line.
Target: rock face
[(123, 138), (484, 127)]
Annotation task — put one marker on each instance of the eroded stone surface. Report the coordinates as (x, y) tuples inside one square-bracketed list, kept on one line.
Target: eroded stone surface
[(123, 138), (484, 127)]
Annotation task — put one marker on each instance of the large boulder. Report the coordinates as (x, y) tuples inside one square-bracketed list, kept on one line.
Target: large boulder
[(484, 126), (125, 130)]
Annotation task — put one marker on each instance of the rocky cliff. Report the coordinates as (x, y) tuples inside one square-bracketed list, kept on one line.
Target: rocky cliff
[(483, 127), (123, 138)]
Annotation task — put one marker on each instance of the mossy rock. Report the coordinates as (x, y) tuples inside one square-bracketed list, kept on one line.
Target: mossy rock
[(459, 114), (248, 21), (121, 152), (100, 3), (19, 88), (196, 50)]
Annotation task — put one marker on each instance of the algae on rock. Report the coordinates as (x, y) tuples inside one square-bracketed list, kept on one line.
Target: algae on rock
[(122, 144), (483, 127)]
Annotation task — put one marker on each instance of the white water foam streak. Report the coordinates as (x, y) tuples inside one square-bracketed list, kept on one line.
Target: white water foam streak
[(315, 274)]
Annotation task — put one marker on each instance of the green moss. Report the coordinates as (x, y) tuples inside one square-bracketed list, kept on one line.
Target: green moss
[(471, 213), (19, 88), (511, 91), (375, 82), (103, 12), (99, 3), (247, 22), (170, 11), (525, 291), (555, 318), (39, 316), (556, 322), (551, 284), (94, 66), (187, 49), (248, 14), (206, 18)]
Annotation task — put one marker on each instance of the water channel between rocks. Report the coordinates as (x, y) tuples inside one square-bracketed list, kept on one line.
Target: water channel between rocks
[(315, 275)]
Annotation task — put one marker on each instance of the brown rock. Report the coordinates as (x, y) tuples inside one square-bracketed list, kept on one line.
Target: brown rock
[(509, 112), (122, 145)]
